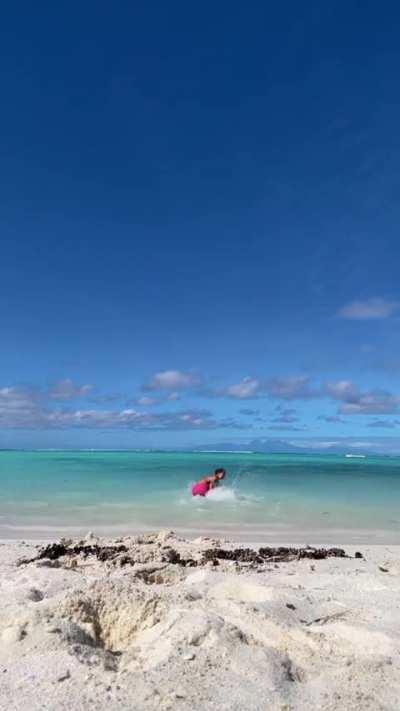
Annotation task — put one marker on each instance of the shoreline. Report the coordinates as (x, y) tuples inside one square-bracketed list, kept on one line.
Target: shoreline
[(254, 535)]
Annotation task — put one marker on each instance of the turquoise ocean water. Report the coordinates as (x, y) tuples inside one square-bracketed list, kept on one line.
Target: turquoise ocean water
[(281, 497)]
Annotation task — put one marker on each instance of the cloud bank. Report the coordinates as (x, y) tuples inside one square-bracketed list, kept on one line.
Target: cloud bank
[(25, 409), (30, 407)]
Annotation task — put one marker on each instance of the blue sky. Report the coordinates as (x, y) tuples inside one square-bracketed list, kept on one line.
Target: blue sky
[(199, 217)]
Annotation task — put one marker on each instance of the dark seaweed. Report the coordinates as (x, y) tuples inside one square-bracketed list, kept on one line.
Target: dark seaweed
[(120, 553)]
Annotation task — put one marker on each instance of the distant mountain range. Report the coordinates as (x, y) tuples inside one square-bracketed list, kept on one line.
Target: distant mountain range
[(389, 446), (283, 446)]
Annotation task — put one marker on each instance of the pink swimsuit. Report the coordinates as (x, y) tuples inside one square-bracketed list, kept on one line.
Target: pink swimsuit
[(201, 488)]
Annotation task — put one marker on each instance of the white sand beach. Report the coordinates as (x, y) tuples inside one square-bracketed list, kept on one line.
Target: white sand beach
[(141, 631)]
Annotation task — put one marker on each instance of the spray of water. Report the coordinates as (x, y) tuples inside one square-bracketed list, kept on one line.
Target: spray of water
[(222, 494), (238, 477)]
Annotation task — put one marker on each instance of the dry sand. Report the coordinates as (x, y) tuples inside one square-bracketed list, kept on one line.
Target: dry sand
[(77, 633)]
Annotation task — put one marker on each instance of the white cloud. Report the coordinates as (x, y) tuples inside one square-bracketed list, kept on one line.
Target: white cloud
[(246, 389), (150, 400), (172, 380), (67, 390), (146, 401), (342, 390), (369, 309), (17, 397)]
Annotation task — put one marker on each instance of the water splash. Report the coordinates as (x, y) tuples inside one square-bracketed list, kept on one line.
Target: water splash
[(223, 493), (237, 480)]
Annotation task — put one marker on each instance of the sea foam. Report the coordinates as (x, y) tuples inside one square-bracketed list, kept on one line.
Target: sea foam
[(222, 494)]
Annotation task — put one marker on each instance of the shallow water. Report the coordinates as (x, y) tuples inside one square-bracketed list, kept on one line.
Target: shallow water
[(276, 494)]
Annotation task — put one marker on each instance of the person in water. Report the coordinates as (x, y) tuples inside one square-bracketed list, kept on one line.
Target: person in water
[(202, 487)]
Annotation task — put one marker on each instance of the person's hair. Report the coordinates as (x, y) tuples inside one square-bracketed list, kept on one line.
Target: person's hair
[(219, 471)]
